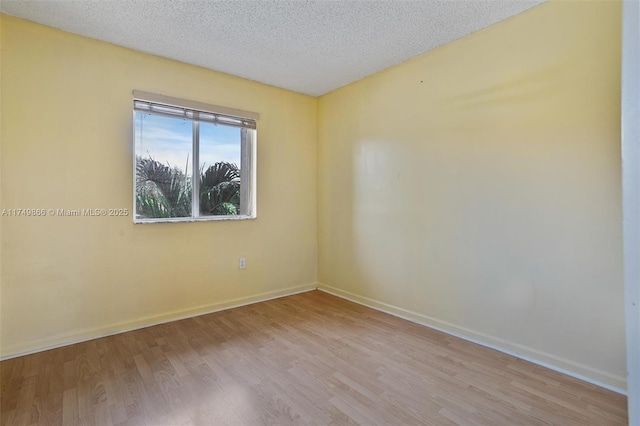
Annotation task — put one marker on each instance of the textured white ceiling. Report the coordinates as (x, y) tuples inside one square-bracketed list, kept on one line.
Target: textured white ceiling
[(308, 46)]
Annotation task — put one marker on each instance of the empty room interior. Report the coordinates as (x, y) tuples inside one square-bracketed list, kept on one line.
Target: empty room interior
[(321, 212)]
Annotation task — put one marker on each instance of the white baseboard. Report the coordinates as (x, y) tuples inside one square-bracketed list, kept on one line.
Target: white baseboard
[(579, 371), (83, 335)]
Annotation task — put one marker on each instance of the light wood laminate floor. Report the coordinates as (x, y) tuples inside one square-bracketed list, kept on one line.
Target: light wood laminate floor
[(311, 358)]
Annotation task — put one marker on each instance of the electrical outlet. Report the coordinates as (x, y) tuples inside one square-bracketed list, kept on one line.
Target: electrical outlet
[(242, 263)]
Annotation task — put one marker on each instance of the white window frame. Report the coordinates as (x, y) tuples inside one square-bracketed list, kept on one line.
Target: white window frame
[(197, 112)]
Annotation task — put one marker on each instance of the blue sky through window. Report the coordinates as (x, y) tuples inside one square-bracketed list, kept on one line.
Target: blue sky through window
[(169, 141)]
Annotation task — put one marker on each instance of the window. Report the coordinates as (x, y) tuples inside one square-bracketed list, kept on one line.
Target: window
[(192, 161)]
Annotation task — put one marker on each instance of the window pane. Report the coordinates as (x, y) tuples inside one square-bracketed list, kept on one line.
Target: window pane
[(163, 166), (220, 148)]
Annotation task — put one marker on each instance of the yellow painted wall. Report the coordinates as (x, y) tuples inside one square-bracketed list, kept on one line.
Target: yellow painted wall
[(477, 188), (67, 143)]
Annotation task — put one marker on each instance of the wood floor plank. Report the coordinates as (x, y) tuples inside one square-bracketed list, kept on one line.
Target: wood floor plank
[(308, 359)]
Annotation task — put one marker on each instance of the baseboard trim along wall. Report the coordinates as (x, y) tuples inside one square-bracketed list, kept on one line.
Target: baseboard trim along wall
[(590, 375), (83, 335)]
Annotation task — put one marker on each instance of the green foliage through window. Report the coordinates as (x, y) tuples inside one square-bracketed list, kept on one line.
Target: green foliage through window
[(163, 191)]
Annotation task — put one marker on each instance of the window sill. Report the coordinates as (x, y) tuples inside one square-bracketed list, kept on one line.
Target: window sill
[(192, 219)]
